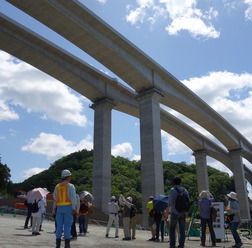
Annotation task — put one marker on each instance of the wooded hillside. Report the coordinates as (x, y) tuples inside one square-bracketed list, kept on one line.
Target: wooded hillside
[(126, 177)]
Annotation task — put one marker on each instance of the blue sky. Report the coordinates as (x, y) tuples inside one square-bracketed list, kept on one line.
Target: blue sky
[(207, 44)]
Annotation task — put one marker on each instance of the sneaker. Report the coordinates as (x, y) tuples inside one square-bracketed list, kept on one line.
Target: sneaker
[(37, 233), (81, 234), (106, 235), (240, 244)]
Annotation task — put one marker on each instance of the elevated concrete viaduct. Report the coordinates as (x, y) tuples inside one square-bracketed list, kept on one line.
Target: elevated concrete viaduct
[(152, 84), (87, 31)]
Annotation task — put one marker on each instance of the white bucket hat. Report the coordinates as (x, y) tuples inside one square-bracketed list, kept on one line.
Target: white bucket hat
[(232, 195), (204, 194)]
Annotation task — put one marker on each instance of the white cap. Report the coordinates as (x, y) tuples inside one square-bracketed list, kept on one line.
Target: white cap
[(129, 198), (113, 198), (65, 173)]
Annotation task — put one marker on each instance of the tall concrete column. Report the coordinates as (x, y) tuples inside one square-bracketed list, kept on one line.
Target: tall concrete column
[(101, 187), (240, 185), (201, 169), (151, 149)]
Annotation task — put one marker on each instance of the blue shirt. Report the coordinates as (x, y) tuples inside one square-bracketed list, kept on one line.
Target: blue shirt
[(233, 208), (204, 207), (172, 197)]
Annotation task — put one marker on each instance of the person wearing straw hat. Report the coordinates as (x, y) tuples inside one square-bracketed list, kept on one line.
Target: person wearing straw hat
[(233, 210), (204, 206)]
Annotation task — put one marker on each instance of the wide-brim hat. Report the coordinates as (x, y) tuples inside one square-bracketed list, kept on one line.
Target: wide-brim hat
[(204, 194), (232, 195)]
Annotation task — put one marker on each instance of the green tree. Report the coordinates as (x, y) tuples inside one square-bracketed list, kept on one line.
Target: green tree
[(126, 177), (5, 183)]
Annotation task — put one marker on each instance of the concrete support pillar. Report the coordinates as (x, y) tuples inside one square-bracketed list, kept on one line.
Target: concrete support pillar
[(101, 187), (151, 149), (240, 185), (201, 169)]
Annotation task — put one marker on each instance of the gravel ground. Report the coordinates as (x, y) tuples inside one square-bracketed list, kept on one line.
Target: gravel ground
[(12, 235)]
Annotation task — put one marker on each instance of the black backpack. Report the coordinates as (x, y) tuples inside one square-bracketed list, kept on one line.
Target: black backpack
[(133, 211), (182, 203), (35, 207)]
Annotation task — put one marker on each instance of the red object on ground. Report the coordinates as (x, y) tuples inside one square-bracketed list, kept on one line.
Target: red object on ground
[(20, 205)]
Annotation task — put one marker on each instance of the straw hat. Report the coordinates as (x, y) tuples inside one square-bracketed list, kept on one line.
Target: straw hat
[(232, 195), (204, 194)]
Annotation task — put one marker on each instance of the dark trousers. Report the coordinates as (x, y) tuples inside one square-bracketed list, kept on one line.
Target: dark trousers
[(73, 228), (233, 227), (28, 217), (83, 222), (209, 222), (180, 219), (160, 227)]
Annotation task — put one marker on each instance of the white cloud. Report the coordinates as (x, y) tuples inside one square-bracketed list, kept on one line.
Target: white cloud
[(55, 146), (193, 25), (32, 171), (248, 11), (6, 113), (183, 14), (102, 1), (173, 145), (136, 157), (27, 87), (219, 166), (123, 150), (230, 94), (186, 16)]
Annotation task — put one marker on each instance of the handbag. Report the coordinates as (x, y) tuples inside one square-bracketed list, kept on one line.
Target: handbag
[(229, 218), (213, 212)]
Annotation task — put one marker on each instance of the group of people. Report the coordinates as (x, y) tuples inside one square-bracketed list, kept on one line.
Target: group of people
[(128, 217), (176, 219), (69, 206), (232, 214)]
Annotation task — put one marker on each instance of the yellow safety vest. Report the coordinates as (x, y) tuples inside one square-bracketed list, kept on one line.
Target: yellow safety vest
[(62, 195)]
